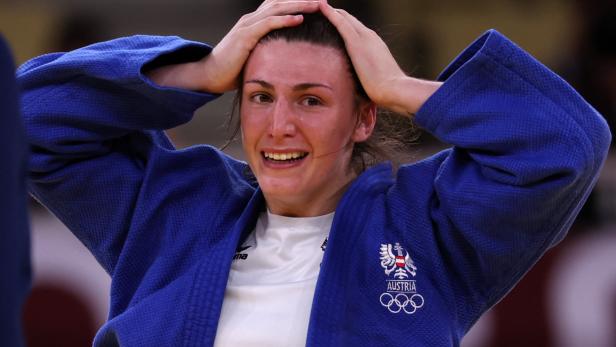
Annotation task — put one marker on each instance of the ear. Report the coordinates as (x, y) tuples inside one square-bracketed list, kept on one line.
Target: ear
[(365, 122)]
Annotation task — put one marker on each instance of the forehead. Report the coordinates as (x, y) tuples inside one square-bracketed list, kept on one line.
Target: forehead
[(288, 63)]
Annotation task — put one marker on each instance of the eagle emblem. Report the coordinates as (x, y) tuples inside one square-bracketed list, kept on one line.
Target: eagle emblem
[(399, 263)]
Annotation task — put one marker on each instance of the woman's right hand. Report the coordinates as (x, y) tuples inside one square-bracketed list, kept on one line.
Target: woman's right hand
[(218, 72)]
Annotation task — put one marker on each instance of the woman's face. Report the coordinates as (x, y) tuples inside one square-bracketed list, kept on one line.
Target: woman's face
[(299, 119)]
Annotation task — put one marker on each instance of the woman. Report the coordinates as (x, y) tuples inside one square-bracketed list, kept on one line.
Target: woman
[(409, 258)]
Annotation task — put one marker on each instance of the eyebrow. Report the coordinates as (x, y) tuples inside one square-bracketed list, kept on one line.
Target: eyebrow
[(301, 86)]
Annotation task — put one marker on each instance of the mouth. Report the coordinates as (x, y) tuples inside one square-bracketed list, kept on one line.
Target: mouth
[(284, 157)]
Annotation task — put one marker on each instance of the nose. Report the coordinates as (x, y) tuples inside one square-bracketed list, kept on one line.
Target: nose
[(282, 120)]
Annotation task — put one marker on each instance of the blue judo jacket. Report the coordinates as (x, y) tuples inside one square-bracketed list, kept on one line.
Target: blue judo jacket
[(413, 259), (14, 232)]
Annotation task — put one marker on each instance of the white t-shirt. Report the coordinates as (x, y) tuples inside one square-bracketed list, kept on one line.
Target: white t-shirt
[(272, 280)]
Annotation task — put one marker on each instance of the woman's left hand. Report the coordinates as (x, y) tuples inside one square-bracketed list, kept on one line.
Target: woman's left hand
[(383, 80)]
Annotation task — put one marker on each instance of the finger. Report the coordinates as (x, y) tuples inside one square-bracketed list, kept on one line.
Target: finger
[(345, 28), (264, 3), (268, 24), (277, 8), (274, 7), (359, 27)]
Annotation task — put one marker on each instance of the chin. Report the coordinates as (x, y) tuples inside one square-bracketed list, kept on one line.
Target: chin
[(279, 187)]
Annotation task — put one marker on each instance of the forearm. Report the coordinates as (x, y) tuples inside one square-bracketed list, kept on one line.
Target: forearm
[(206, 75), (409, 94), (199, 76), (181, 76)]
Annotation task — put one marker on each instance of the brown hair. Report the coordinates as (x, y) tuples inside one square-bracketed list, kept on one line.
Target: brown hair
[(393, 135)]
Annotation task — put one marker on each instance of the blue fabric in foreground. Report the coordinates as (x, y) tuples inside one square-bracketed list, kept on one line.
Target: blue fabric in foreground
[(14, 233)]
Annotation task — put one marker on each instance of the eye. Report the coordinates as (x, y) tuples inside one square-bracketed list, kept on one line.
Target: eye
[(260, 98), (311, 101)]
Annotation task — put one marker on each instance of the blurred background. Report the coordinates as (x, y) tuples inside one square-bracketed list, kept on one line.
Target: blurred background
[(568, 299)]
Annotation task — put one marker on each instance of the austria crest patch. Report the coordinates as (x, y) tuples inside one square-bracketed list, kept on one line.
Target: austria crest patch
[(401, 294)]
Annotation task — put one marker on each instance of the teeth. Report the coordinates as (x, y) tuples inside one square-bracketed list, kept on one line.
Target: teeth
[(284, 156)]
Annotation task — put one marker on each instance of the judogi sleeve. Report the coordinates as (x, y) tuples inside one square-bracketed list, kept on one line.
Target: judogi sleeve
[(527, 150), (93, 120)]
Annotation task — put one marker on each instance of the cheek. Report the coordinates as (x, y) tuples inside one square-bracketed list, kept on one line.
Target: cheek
[(331, 141), (339, 128), (248, 125), (248, 133)]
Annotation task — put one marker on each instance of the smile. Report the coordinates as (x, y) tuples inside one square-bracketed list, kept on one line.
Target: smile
[(290, 156)]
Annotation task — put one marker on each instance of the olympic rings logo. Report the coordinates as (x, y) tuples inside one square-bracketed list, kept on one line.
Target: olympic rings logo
[(401, 302)]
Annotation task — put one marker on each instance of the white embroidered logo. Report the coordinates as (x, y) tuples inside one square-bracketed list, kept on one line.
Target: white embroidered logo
[(401, 293)]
